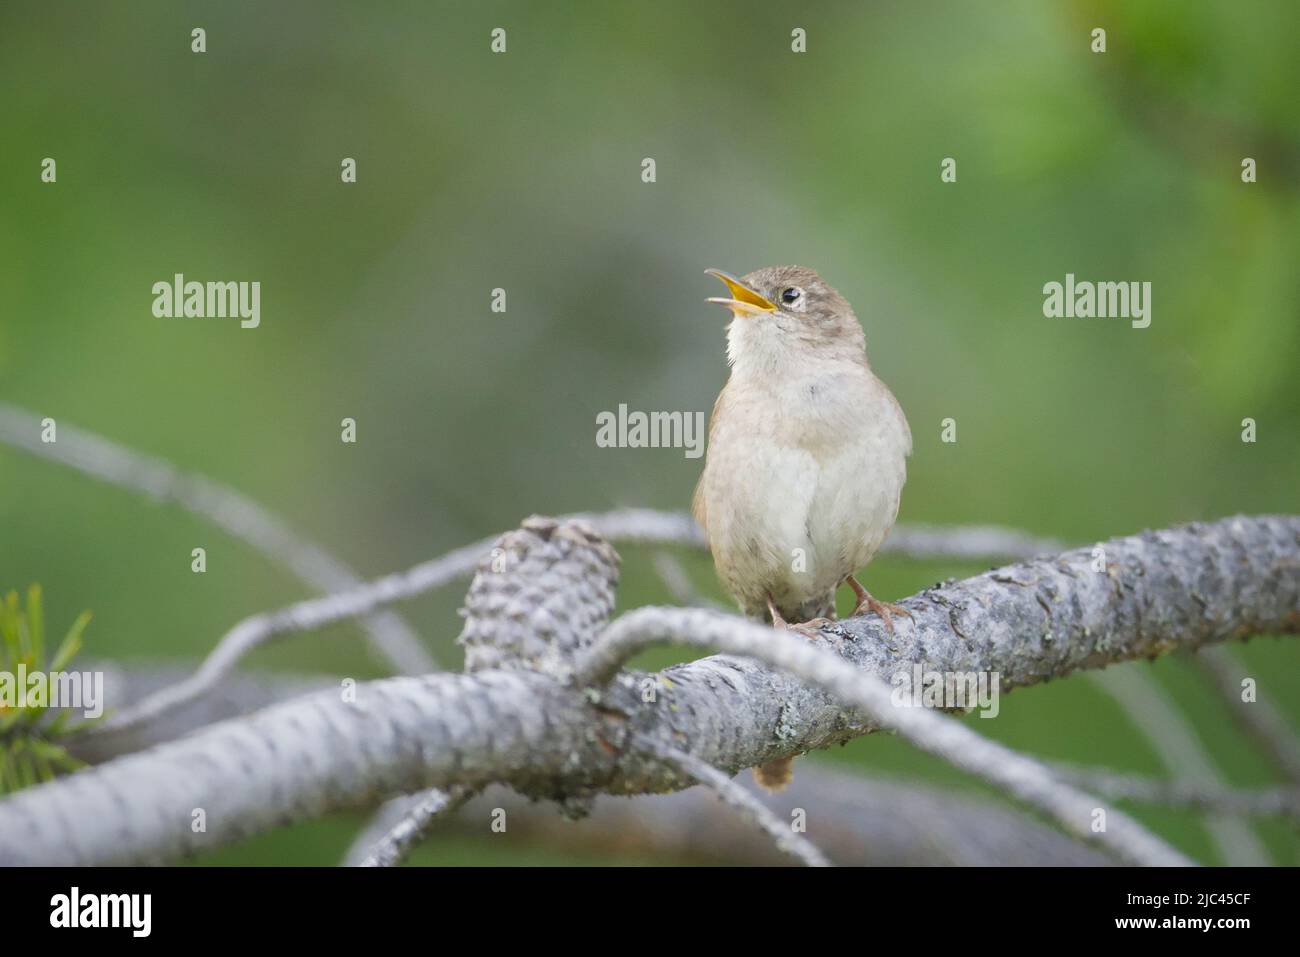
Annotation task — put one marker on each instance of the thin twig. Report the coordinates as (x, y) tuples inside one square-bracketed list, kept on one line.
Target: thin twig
[(1266, 802), (1259, 718), (346, 596), (629, 525), (229, 510), (783, 835), (860, 819), (670, 571), (626, 526), (235, 513), (1162, 591), (258, 630), (426, 810), (967, 543), (1154, 714), (1023, 777)]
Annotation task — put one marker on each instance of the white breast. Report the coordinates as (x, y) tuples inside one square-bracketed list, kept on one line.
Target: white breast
[(802, 483)]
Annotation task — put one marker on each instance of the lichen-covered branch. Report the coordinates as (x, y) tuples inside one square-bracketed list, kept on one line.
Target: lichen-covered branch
[(631, 525), (1024, 778), (1030, 622), (867, 820)]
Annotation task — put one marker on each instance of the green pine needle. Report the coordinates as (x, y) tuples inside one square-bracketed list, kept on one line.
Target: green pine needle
[(30, 737)]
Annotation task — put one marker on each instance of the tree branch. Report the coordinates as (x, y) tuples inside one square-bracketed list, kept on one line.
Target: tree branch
[(628, 526), (1196, 795), (1259, 718), (737, 798), (393, 848), (236, 514), (1030, 622), (1153, 714), (1028, 780), (860, 820)]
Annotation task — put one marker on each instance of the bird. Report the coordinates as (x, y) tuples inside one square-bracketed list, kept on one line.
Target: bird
[(805, 461)]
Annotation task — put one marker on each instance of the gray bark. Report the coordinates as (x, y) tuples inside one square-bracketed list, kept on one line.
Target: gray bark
[(392, 847), (1030, 622), (856, 818)]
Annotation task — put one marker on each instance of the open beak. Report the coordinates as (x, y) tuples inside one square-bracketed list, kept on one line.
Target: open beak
[(744, 301)]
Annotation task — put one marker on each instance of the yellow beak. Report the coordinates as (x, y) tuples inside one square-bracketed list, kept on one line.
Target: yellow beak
[(744, 301)]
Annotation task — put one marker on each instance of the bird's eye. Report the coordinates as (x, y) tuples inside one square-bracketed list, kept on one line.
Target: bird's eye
[(791, 294)]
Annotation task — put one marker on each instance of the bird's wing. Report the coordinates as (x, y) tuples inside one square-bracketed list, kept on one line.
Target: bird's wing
[(898, 408), (698, 507)]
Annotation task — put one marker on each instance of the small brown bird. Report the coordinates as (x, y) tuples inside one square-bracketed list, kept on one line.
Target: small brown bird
[(805, 461)]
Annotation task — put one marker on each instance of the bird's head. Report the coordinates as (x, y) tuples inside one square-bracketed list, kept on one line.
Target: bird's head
[(787, 314)]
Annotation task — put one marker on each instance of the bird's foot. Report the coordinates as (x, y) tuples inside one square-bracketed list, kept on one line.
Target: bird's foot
[(885, 609), (809, 629)]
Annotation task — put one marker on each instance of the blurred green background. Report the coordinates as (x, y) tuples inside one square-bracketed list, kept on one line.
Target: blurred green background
[(522, 171)]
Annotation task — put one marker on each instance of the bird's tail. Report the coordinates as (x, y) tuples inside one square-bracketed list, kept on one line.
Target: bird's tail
[(775, 775)]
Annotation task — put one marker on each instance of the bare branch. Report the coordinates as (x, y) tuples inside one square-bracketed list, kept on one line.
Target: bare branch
[(244, 519), (542, 592), (1163, 591), (424, 812), (967, 543), (678, 582), (1268, 802), (1259, 718), (635, 526), (237, 515), (234, 513), (867, 820), (242, 694), (386, 816), (1026, 779), (1155, 715), (261, 629), (860, 820), (738, 798), (962, 543)]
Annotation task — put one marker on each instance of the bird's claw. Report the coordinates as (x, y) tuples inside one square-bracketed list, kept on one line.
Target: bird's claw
[(809, 629), (885, 609)]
